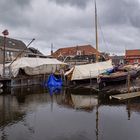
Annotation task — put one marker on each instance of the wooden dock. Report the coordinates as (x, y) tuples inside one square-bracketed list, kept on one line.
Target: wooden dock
[(125, 96)]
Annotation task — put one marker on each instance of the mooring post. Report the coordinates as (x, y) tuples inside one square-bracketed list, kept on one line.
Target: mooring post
[(128, 81), (90, 80)]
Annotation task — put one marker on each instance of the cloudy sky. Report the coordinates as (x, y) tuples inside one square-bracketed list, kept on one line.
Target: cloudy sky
[(71, 22)]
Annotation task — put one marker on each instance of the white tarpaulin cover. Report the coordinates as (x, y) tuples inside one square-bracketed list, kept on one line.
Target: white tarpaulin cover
[(35, 66), (87, 71)]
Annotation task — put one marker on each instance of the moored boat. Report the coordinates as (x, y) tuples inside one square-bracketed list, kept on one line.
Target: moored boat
[(84, 73), (117, 76)]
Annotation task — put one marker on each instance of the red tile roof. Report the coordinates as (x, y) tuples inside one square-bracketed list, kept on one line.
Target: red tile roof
[(72, 51), (132, 53)]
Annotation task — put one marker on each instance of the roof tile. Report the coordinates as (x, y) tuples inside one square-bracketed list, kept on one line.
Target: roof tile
[(72, 51)]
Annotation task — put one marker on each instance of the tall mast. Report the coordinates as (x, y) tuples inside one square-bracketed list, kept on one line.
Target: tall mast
[(96, 33)]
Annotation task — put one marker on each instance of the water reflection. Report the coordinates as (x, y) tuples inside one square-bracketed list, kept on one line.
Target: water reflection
[(87, 102), (54, 90), (39, 113), (10, 113)]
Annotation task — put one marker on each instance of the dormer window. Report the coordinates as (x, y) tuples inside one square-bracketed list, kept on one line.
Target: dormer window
[(79, 52)]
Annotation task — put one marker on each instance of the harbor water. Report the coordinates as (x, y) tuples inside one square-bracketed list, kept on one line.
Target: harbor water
[(38, 113)]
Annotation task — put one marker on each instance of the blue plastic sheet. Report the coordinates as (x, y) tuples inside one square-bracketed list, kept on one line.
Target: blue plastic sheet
[(53, 81), (53, 84), (109, 71), (54, 90)]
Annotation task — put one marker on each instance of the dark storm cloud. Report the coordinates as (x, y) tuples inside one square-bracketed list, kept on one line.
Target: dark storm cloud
[(120, 22), (119, 12), (22, 3), (71, 22), (77, 3), (14, 3), (13, 12)]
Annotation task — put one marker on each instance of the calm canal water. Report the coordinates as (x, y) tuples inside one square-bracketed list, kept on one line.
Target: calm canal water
[(39, 114)]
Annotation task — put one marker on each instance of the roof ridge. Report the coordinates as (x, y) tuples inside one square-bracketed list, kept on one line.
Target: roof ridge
[(77, 46)]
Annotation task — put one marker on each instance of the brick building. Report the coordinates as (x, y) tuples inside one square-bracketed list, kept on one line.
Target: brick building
[(132, 56), (77, 53)]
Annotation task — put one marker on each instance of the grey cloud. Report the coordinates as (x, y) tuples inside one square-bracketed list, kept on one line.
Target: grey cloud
[(77, 3), (14, 3), (119, 12), (80, 30), (13, 13), (22, 3), (71, 22), (135, 18)]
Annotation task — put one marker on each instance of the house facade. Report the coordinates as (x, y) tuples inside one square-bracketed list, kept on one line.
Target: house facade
[(118, 60), (77, 53), (14, 48), (132, 56)]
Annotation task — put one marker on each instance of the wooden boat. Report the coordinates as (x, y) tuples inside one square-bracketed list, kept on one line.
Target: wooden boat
[(117, 76), (84, 73)]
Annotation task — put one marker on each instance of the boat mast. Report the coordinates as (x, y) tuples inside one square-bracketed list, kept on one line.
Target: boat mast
[(96, 33)]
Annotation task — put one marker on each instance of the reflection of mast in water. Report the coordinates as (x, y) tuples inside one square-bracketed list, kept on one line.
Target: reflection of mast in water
[(51, 103), (128, 109), (97, 119), (97, 59)]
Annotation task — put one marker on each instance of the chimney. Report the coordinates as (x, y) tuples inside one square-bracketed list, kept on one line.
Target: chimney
[(52, 49)]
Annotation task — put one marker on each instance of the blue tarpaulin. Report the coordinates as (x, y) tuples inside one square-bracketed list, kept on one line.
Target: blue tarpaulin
[(53, 81), (53, 84), (54, 90), (109, 71)]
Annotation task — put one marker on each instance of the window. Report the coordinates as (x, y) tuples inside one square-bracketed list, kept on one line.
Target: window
[(78, 52), (7, 55), (136, 61), (11, 55), (121, 61)]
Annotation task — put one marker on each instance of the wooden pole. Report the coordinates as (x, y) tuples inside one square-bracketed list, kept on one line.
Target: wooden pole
[(128, 81), (97, 119), (96, 32), (5, 33), (4, 42)]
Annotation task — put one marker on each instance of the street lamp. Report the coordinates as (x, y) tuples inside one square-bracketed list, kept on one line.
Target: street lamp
[(5, 33)]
